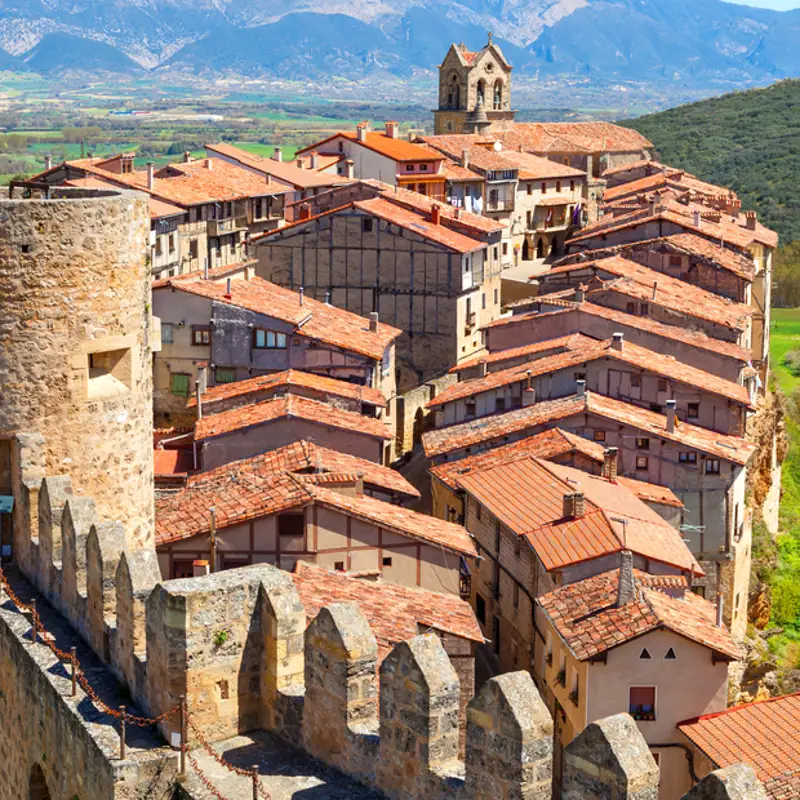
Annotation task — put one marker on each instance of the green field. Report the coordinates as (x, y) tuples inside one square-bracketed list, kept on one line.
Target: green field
[(785, 336)]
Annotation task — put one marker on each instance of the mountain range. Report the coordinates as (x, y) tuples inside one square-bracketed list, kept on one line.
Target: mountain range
[(689, 42)]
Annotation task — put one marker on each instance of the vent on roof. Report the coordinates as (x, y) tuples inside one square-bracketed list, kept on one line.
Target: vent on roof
[(670, 655), (645, 655)]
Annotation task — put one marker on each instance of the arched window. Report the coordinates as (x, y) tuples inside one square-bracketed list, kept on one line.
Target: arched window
[(497, 99), (37, 785), (454, 93), (482, 91), (540, 248)]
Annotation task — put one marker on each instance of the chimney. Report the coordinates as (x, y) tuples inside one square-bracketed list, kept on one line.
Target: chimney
[(277, 154), (465, 158), (484, 368), (436, 214), (304, 211), (655, 289), (200, 567), (48, 162), (301, 292), (187, 156), (671, 405), (361, 131), (359, 483), (580, 388), (696, 219), (720, 606), (392, 129), (373, 321), (580, 293), (574, 505), (327, 298), (652, 207), (299, 163), (626, 589), (750, 220), (610, 456), (269, 178), (209, 163), (228, 289), (528, 396), (198, 394), (151, 174), (617, 341), (457, 212), (351, 171)]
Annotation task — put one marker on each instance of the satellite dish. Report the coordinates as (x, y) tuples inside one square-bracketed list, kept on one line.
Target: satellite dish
[(498, 146)]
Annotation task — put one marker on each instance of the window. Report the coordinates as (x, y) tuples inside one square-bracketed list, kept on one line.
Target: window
[(291, 532), (505, 248), (642, 702), (409, 167), (366, 225), (630, 308), (529, 219), (497, 544), (222, 375), (599, 436), (572, 186), (499, 404), (496, 253), (516, 594), (670, 655), (483, 300), (530, 189), (642, 443), (386, 561), (687, 458), (693, 410), (167, 333), (201, 335), (182, 569), (470, 407), (636, 381), (480, 609), (496, 298), (338, 566), (675, 261), (645, 655), (662, 384), (544, 188), (109, 373), (712, 466), (478, 511), (193, 248), (641, 462), (423, 167), (158, 245), (172, 243), (700, 591), (341, 147), (268, 340), (179, 384), (558, 186), (644, 309)]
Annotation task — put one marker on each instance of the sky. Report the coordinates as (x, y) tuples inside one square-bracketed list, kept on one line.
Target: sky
[(778, 5)]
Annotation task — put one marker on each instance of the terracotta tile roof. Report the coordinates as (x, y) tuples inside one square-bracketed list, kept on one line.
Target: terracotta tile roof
[(398, 149), (534, 510), (660, 289), (315, 320), (214, 274), (412, 609), (668, 177), (324, 161), (586, 618), (694, 338), (785, 786), (284, 171), (571, 341), (631, 165), (398, 519), (651, 492), (661, 364), (172, 462), (591, 137), (764, 734), (547, 444), (495, 427), (291, 407), (289, 377)]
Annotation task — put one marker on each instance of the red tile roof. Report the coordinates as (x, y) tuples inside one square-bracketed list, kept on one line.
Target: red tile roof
[(586, 618), (172, 462), (631, 354), (693, 338), (668, 177), (315, 320), (284, 171), (289, 377), (413, 610), (592, 137), (288, 407), (660, 289), (571, 341), (764, 734), (631, 165), (397, 149), (534, 510)]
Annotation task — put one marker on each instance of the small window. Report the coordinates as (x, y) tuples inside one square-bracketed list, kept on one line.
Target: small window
[(693, 410), (338, 566), (109, 373), (158, 246), (496, 253), (630, 308), (172, 243), (201, 335), (505, 248), (641, 462), (483, 300), (167, 333), (496, 298), (644, 309), (387, 561), (544, 188), (291, 532), (700, 591), (662, 384), (268, 340), (193, 248), (599, 436), (366, 225), (558, 186), (712, 466), (470, 408), (670, 654), (341, 147), (642, 702), (645, 655), (409, 167), (687, 457), (636, 381), (478, 511), (675, 261), (480, 609), (499, 404), (179, 384), (642, 443), (572, 186), (423, 167), (530, 188), (222, 375)]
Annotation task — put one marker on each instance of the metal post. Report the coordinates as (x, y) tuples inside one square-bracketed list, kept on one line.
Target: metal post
[(33, 621), (122, 733), (184, 743), (74, 660), (255, 781)]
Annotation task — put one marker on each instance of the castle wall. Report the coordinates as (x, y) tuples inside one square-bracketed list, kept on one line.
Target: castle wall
[(75, 343)]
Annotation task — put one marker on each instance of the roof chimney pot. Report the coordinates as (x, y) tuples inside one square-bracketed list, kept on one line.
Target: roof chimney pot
[(373, 321), (151, 172), (750, 220), (436, 214), (580, 388), (610, 459), (277, 154), (626, 588), (48, 162), (392, 129), (696, 219), (528, 396), (361, 131), (574, 505), (228, 289), (671, 408), (314, 160), (351, 169), (465, 158), (618, 341), (187, 156)]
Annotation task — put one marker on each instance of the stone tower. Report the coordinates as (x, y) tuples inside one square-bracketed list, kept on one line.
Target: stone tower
[(75, 363), (474, 91)]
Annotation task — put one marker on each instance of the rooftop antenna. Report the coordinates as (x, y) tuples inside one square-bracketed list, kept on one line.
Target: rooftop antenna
[(624, 522)]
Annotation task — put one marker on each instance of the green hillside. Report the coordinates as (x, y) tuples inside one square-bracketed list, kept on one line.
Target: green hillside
[(749, 141)]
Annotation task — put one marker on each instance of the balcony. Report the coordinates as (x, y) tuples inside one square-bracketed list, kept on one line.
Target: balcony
[(222, 227), (499, 206), (470, 321), (561, 678)]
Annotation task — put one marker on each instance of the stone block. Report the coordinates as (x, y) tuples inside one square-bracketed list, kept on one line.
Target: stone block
[(104, 546), (737, 782), (77, 520), (53, 497)]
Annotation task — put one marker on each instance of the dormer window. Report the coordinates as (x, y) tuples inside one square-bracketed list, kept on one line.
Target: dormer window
[(423, 167), (645, 655), (670, 655), (409, 167)]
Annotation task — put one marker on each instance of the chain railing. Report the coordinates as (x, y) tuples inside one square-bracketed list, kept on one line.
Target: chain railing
[(40, 634)]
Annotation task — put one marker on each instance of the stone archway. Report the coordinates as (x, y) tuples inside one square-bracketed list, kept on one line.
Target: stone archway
[(37, 785), (419, 426)]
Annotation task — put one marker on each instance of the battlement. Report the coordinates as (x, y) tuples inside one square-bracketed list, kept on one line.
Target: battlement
[(236, 646)]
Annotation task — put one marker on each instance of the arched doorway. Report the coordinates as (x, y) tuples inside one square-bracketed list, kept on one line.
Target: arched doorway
[(540, 248), (419, 424), (526, 250), (37, 785)]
